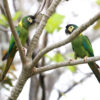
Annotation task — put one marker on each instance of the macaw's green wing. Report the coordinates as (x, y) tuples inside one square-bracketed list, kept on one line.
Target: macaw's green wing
[(12, 41), (11, 45), (87, 45)]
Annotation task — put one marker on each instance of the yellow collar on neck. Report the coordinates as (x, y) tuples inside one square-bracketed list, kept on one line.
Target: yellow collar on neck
[(20, 23), (80, 34)]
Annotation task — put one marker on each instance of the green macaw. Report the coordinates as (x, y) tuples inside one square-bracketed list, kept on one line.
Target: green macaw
[(83, 48), (22, 31)]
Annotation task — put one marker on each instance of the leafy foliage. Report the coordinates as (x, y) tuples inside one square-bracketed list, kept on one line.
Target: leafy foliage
[(98, 2), (7, 80), (97, 26), (72, 68), (53, 23), (17, 15), (3, 18), (56, 58)]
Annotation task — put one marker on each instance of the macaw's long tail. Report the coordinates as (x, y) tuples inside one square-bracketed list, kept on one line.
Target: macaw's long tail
[(94, 67), (8, 64), (5, 56)]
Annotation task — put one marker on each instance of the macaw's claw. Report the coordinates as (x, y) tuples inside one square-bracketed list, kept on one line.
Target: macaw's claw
[(85, 58), (70, 60)]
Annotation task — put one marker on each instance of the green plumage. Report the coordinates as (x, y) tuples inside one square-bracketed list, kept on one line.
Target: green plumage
[(82, 48), (22, 31)]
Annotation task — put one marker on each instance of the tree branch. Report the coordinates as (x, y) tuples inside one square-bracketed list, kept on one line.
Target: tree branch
[(19, 86), (69, 39), (2, 10), (67, 63), (17, 41), (41, 26), (41, 7), (74, 84)]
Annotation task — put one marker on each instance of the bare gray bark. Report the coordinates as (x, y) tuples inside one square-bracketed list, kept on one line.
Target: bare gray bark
[(34, 87)]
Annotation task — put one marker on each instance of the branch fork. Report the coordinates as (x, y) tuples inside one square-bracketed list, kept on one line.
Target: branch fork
[(28, 65)]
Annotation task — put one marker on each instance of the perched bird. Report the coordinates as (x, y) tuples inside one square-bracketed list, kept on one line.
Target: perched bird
[(22, 31), (83, 48)]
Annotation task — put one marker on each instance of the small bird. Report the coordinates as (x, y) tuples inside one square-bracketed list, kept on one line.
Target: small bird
[(22, 31), (82, 47)]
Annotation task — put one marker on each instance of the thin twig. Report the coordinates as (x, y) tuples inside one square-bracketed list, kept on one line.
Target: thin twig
[(41, 7), (42, 77), (47, 4), (74, 84), (17, 41), (14, 5), (2, 10), (42, 82)]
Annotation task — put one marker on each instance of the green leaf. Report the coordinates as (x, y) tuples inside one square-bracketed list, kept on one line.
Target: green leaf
[(49, 57), (8, 81), (71, 55), (16, 16), (97, 26), (3, 20), (3, 17), (58, 29), (53, 22), (56, 58), (72, 68), (98, 2)]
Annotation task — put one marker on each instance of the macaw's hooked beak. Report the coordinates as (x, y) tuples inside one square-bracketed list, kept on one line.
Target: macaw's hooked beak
[(67, 31)]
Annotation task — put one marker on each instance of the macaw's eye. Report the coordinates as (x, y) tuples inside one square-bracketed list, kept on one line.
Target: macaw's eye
[(29, 20), (70, 28)]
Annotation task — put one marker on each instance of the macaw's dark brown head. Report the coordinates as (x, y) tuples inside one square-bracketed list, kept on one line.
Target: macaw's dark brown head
[(70, 28), (27, 21)]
